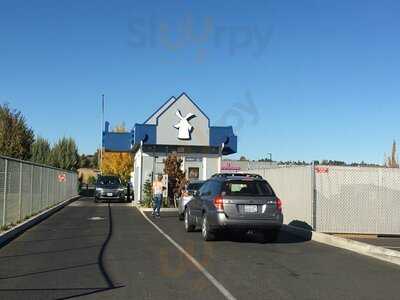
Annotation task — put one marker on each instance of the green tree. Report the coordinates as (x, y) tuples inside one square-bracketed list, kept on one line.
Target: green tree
[(147, 200), (84, 161), (95, 160), (392, 161), (64, 154), (41, 151), (16, 138)]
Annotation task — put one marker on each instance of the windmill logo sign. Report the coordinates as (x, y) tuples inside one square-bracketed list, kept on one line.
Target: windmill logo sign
[(184, 127)]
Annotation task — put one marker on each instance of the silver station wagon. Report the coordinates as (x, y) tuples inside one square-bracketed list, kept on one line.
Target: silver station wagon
[(241, 202)]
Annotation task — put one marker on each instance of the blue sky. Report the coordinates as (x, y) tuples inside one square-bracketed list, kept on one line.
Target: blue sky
[(302, 79)]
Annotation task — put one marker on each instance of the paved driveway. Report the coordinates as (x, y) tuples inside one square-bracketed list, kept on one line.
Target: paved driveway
[(94, 251)]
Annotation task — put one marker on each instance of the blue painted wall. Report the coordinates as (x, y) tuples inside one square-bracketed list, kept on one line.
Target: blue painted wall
[(220, 135)]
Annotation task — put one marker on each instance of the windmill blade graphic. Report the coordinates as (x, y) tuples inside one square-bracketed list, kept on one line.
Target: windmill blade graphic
[(179, 115), (188, 116)]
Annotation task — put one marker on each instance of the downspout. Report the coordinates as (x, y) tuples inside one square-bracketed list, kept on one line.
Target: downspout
[(220, 157), (141, 171)]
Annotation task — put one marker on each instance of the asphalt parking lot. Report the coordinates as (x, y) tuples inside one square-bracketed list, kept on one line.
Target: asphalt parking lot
[(97, 251)]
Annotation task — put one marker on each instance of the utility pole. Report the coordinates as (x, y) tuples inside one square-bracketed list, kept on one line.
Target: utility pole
[(101, 137)]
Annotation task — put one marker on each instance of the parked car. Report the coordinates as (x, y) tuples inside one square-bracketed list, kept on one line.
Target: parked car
[(239, 202), (109, 188), (187, 196)]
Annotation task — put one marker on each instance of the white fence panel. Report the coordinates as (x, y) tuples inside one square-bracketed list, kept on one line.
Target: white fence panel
[(358, 200), (293, 185)]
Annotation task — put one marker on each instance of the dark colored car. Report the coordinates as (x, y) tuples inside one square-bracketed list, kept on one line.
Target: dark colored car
[(109, 188), (235, 202)]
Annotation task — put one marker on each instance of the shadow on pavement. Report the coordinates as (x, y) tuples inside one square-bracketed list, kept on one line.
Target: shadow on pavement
[(284, 237), (100, 261), (89, 290), (61, 239), (49, 252), (48, 271)]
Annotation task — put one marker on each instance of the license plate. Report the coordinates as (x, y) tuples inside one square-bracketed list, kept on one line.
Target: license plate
[(250, 208), (109, 194)]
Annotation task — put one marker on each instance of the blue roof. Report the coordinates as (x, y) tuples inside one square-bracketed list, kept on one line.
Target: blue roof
[(147, 133)]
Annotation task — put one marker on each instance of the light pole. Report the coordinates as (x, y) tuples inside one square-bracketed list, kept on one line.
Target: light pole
[(101, 137)]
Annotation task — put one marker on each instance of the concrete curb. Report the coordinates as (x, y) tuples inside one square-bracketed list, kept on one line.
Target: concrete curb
[(12, 233), (377, 252)]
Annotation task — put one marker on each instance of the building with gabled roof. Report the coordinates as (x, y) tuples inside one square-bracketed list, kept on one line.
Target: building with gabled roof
[(179, 126)]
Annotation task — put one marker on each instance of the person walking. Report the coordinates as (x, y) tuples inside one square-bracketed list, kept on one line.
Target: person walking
[(157, 196)]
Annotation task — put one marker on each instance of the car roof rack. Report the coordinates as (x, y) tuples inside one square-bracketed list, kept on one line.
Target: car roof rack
[(225, 175)]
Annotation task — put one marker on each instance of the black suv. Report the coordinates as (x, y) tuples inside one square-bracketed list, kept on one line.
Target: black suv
[(109, 188), (235, 201)]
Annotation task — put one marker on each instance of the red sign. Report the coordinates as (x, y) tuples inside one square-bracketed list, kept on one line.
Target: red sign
[(228, 166), (321, 169), (61, 177)]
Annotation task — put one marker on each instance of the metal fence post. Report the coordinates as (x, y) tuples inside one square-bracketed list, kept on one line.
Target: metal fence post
[(31, 210), (40, 184), (5, 191), (47, 187), (20, 193), (313, 197)]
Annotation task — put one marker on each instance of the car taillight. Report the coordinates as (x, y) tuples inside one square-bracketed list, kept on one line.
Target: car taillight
[(278, 204), (219, 203)]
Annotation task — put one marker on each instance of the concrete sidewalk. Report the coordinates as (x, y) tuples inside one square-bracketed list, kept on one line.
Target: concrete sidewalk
[(392, 243)]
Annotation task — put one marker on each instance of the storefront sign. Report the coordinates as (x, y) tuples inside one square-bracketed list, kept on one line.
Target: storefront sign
[(193, 159), (228, 166)]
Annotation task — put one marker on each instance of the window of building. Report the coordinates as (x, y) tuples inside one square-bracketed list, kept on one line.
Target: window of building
[(194, 173)]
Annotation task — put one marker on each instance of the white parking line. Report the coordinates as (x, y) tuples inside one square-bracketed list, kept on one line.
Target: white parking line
[(390, 247), (203, 270)]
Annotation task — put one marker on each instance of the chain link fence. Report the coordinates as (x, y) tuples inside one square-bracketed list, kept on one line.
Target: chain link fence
[(27, 189), (357, 200), (338, 199)]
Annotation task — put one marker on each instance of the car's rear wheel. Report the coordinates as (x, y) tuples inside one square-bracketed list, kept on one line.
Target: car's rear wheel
[(189, 227), (205, 230)]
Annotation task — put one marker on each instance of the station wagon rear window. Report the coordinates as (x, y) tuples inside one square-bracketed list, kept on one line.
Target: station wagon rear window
[(248, 188), (194, 186)]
